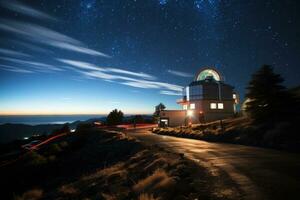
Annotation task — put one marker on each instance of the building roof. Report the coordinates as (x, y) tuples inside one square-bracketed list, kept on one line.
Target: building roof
[(209, 81), (208, 72)]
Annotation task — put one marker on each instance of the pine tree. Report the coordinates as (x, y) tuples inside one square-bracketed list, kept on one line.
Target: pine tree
[(115, 117), (158, 109), (267, 96)]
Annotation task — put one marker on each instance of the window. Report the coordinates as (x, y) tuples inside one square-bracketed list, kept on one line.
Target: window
[(234, 96), (220, 106), (184, 107), (213, 106), (192, 106)]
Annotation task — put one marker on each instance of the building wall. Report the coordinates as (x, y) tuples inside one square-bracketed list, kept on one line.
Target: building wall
[(211, 91), (216, 114), (175, 117)]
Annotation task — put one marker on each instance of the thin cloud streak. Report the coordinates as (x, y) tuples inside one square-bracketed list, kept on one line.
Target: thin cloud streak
[(122, 71), (138, 83), (106, 74), (48, 37), (32, 47), (24, 9), (14, 69), (90, 66), (37, 65), (13, 53), (172, 93), (79, 49), (80, 64), (179, 73)]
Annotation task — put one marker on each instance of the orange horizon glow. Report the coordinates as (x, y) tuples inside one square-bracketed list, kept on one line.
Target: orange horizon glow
[(65, 113)]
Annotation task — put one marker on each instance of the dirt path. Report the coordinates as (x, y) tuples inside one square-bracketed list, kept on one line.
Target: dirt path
[(258, 173)]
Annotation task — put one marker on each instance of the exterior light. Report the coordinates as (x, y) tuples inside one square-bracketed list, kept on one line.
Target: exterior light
[(189, 113), (201, 112)]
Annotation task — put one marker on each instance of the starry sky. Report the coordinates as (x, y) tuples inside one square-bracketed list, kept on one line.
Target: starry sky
[(91, 56)]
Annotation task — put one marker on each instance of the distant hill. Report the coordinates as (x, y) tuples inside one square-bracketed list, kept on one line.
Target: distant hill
[(9, 132)]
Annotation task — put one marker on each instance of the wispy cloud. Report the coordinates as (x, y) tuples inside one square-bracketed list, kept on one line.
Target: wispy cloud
[(172, 93), (80, 64), (14, 69), (24, 9), (32, 47), (141, 84), (153, 85), (90, 66), (133, 79), (80, 49), (138, 74), (47, 36), (13, 53), (179, 73), (42, 67)]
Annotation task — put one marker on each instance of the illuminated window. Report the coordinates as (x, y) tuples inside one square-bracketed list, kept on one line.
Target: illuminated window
[(213, 106), (192, 106), (220, 106), (184, 107), (234, 96)]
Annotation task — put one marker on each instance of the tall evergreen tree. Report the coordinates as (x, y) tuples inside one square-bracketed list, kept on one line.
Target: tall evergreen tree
[(158, 108), (267, 96)]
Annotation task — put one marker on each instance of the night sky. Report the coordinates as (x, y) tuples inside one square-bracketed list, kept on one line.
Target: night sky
[(88, 56)]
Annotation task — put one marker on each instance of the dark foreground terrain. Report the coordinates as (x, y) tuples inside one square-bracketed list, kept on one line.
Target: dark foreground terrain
[(258, 173), (281, 135), (94, 164)]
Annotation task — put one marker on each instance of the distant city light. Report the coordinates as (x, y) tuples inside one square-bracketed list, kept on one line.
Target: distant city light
[(26, 138), (72, 130)]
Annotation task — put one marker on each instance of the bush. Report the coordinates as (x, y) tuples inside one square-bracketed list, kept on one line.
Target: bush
[(115, 117), (54, 149), (35, 159), (82, 127), (34, 194)]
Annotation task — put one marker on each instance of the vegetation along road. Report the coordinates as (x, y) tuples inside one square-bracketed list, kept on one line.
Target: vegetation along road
[(255, 173)]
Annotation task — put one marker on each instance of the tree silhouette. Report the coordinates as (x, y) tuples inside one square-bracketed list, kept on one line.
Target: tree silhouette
[(158, 109), (267, 96), (115, 117)]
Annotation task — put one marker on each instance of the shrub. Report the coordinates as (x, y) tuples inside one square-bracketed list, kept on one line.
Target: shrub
[(34, 194), (34, 159), (54, 149)]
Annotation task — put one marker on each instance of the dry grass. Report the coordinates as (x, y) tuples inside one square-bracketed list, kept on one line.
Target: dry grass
[(147, 197), (158, 180), (34, 194), (111, 171), (68, 190), (208, 131), (112, 167)]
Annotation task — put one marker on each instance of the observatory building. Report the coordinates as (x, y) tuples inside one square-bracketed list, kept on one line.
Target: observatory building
[(207, 98)]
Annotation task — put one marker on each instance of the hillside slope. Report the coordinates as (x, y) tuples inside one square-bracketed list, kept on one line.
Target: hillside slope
[(94, 164)]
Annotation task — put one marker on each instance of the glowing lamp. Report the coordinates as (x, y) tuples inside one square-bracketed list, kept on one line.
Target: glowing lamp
[(189, 113)]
